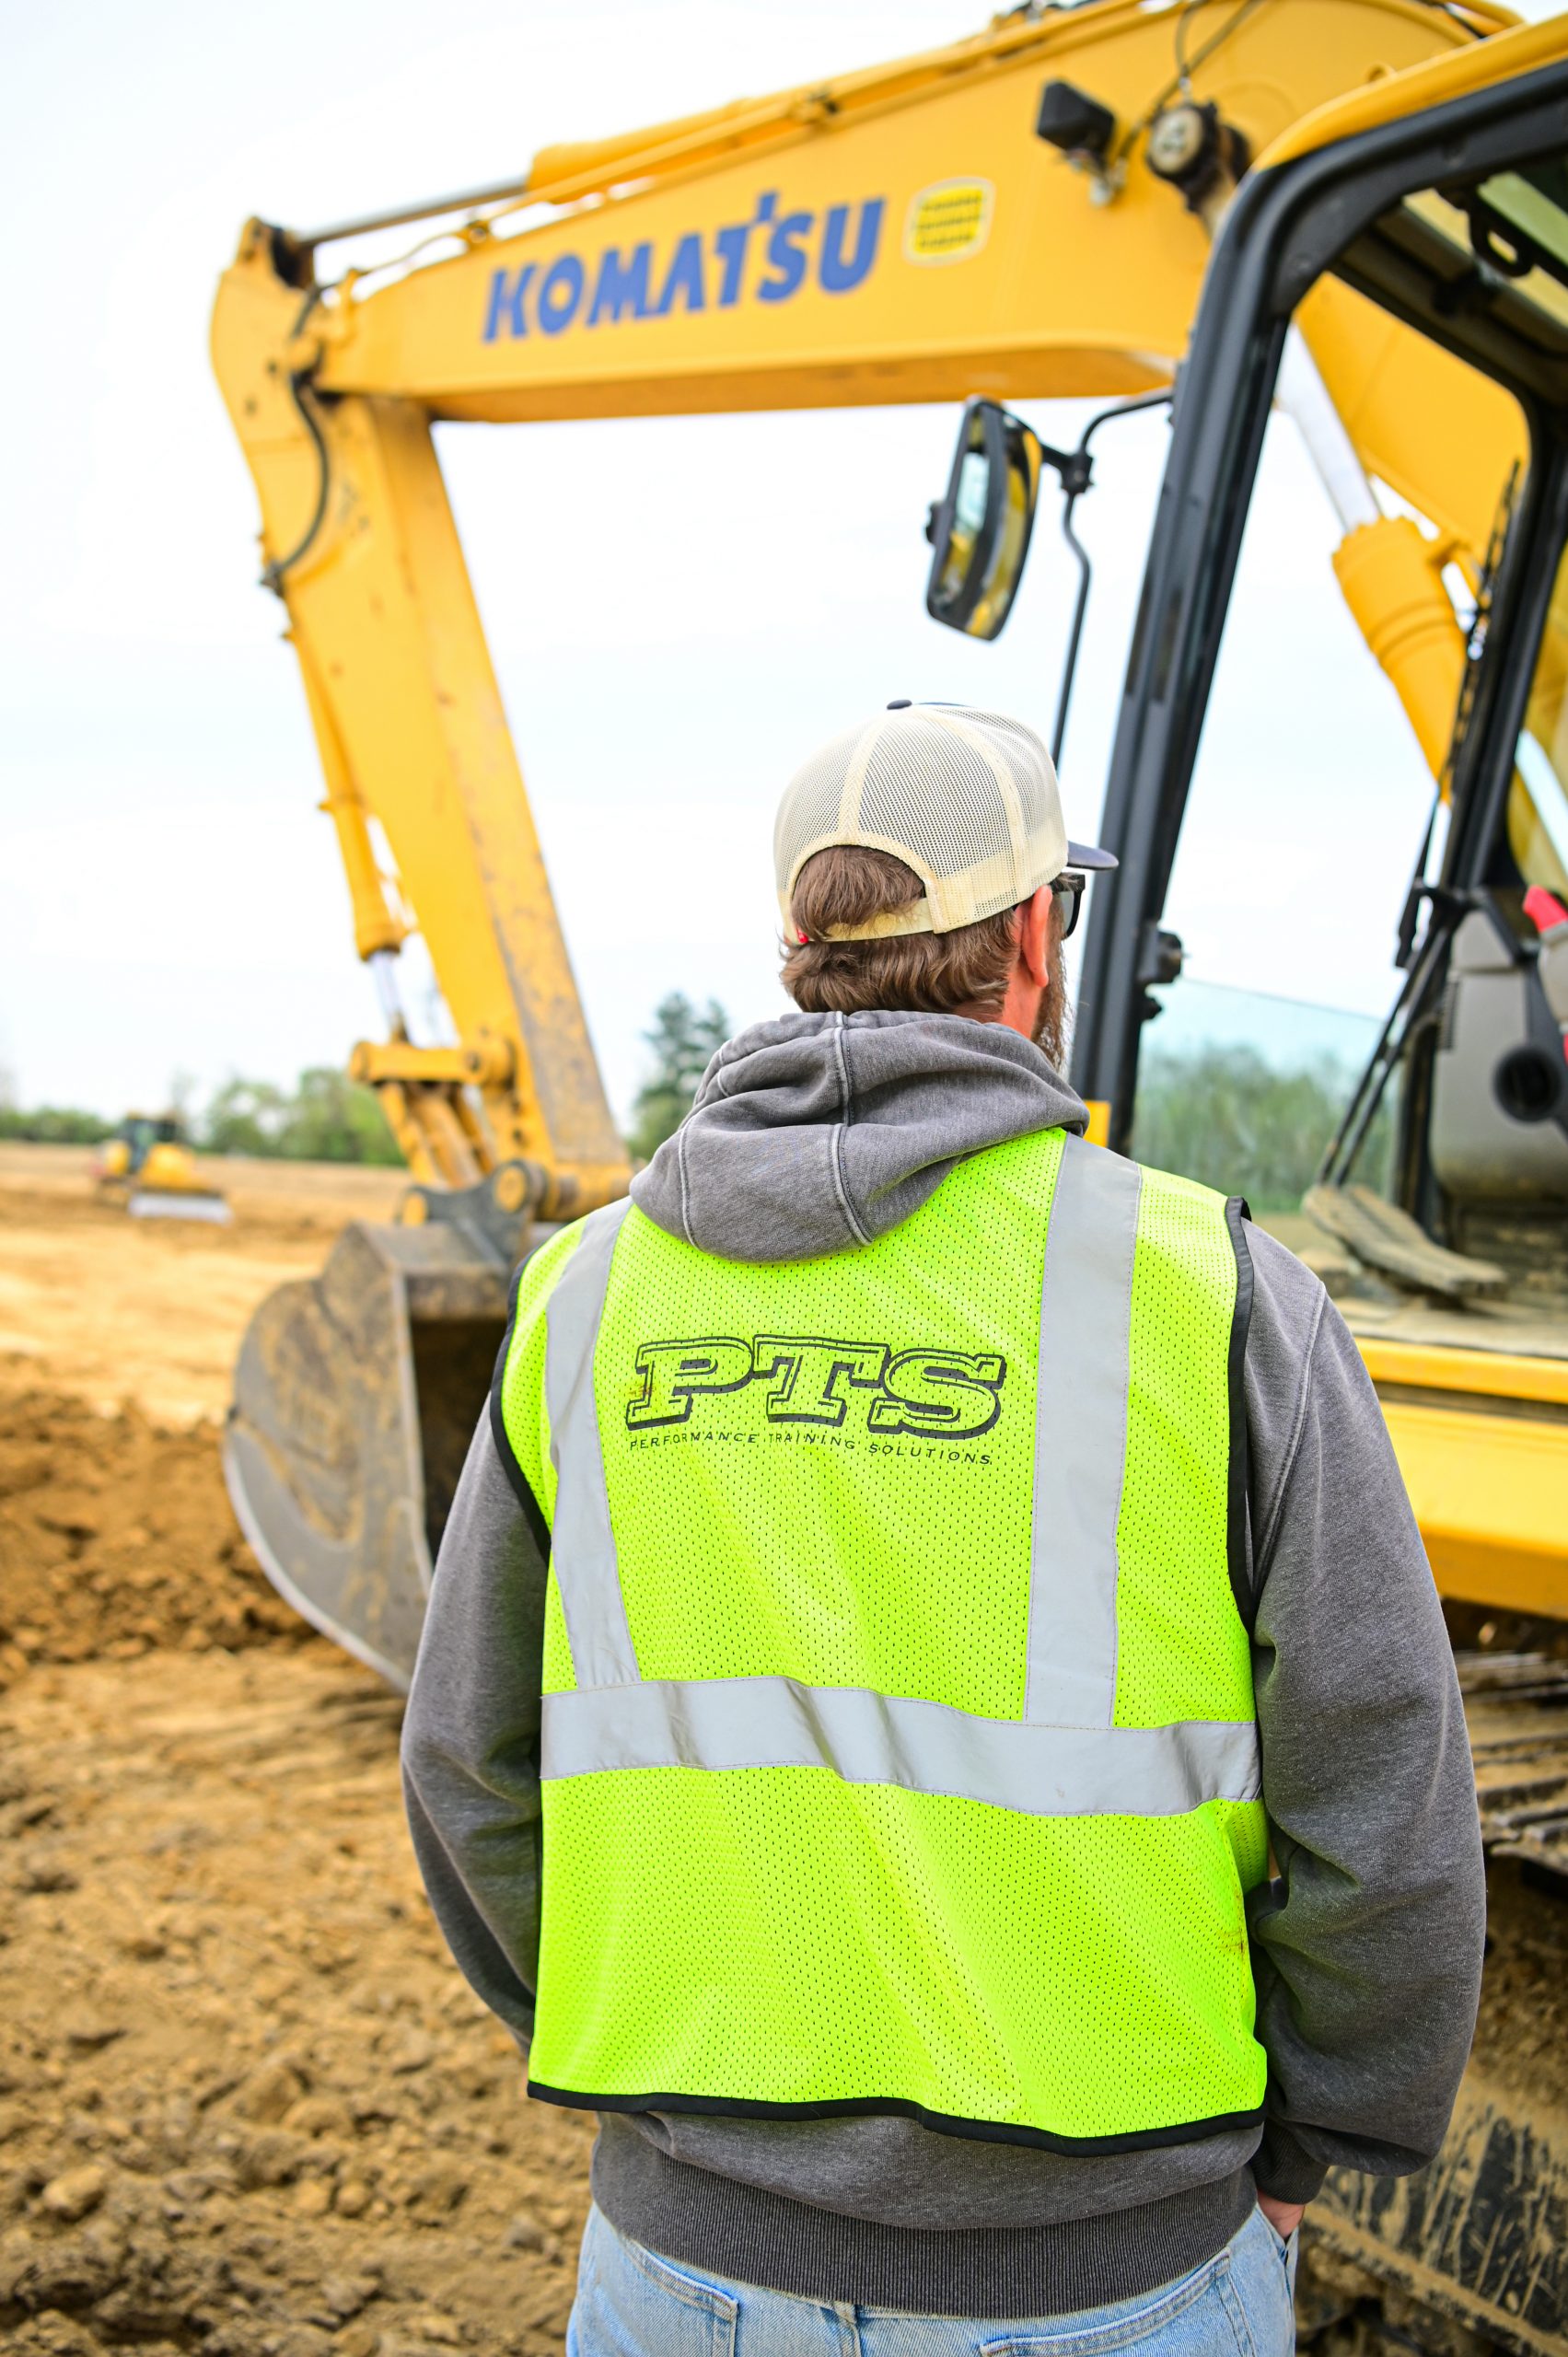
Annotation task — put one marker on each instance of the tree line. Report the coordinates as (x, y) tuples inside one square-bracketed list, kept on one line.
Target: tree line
[(1225, 1117), (325, 1117), (1221, 1115)]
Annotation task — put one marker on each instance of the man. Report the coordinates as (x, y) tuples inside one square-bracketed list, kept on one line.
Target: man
[(947, 1523)]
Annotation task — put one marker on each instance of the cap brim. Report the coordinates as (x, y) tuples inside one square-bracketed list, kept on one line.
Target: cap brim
[(1090, 855)]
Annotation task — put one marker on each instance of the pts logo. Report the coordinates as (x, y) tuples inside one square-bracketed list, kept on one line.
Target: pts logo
[(934, 1395)]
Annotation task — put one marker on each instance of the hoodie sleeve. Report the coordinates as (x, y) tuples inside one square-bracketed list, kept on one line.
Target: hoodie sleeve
[(1368, 1948), (471, 1735)]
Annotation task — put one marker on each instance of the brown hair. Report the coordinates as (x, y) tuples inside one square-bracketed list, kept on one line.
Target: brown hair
[(927, 973)]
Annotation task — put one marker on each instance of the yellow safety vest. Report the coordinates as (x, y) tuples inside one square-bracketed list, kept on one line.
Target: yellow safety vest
[(899, 1751)]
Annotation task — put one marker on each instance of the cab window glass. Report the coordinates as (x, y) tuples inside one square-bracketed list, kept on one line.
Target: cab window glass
[(1311, 797), (1538, 807)]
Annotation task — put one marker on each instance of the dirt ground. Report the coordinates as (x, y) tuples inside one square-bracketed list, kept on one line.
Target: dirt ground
[(111, 1309), (247, 2105)]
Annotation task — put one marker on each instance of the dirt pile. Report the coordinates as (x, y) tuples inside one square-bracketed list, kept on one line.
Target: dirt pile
[(116, 1537), (247, 2106)]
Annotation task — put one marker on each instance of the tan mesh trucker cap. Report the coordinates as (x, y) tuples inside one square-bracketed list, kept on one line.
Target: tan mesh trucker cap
[(968, 799)]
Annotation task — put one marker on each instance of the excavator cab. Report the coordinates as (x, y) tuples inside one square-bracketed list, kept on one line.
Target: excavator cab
[(1470, 251), (1453, 221)]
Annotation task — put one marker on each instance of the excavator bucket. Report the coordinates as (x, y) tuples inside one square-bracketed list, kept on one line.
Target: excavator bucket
[(355, 1397)]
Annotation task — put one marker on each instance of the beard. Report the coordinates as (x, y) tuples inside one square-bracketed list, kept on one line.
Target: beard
[(1053, 1023)]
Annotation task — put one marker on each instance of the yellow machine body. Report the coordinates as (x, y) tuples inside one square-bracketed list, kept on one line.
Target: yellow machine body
[(895, 234)]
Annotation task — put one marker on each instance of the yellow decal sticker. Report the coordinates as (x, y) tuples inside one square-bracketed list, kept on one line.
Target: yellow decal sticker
[(948, 221)]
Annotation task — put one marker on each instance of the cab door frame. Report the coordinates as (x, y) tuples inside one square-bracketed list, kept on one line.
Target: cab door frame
[(1287, 227)]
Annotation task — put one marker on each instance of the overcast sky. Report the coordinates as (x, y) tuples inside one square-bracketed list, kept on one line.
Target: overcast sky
[(679, 609)]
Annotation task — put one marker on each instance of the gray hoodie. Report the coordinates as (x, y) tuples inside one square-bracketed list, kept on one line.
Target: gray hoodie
[(814, 1134)]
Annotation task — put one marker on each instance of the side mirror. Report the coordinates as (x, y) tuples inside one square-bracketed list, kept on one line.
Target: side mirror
[(981, 530)]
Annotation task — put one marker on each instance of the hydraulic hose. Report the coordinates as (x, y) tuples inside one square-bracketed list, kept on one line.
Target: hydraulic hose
[(273, 573)]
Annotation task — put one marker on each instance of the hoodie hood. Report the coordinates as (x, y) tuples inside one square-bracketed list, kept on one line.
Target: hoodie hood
[(815, 1133)]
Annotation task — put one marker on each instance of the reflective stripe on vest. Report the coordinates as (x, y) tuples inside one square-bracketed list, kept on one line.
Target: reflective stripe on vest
[(870, 1738), (1077, 1763), (583, 1547), (1081, 1416)]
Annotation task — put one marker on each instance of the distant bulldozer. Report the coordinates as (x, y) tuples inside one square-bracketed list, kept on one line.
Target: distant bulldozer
[(148, 1165)]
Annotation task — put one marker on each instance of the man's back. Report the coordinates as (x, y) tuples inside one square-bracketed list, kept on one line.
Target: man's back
[(875, 1514), (889, 1562)]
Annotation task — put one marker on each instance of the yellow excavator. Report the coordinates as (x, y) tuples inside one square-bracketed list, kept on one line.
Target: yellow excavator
[(1353, 210)]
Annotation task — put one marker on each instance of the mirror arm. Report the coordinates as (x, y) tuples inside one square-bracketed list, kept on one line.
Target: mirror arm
[(1070, 663), (1075, 469)]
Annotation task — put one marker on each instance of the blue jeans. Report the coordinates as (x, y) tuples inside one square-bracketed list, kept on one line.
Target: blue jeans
[(631, 2303)]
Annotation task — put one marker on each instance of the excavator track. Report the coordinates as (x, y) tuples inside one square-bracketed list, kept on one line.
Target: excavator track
[(1471, 2254), (1517, 1709)]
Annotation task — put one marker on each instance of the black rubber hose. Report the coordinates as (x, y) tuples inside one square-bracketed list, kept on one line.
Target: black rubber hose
[(272, 575)]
